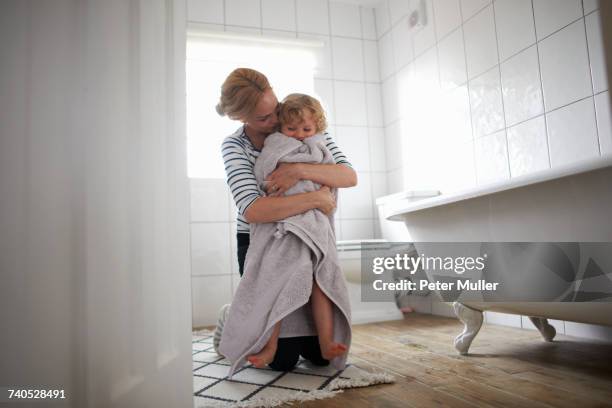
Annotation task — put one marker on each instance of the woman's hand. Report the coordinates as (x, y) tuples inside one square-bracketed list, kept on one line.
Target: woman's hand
[(283, 178), (327, 202)]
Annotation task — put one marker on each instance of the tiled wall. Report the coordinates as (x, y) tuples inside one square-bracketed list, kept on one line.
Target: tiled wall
[(347, 80), (490, 90), (486, 91)]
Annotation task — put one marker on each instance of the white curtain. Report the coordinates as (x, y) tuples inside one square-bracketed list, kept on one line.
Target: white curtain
[(94, 238)]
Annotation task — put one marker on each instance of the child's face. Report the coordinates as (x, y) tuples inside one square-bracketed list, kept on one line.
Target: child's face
[(300, 131)]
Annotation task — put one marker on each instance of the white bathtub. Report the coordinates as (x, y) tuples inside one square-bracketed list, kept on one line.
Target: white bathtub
[(568, 204)]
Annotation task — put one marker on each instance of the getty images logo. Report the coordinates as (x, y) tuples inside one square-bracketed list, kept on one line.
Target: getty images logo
[(457, 264)]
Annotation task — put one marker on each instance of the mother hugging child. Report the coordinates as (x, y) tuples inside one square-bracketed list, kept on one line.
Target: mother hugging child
[(292, 299)]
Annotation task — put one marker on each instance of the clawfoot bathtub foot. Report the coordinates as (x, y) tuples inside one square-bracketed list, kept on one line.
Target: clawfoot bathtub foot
[(547, 331), (472, 319)]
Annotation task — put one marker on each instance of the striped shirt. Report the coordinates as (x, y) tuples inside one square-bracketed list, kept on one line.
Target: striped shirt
[(239, 157)]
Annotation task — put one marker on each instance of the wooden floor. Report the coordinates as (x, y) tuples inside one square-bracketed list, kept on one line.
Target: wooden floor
[(506, 367)]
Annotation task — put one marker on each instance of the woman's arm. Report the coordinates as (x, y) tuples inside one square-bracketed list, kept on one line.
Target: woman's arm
[(269, 209), (332, 175)]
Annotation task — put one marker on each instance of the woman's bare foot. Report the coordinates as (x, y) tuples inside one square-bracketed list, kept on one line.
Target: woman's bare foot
[(332, 350), (263, 358)]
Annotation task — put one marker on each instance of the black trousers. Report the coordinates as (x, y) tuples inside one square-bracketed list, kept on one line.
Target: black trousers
[(289, 349)]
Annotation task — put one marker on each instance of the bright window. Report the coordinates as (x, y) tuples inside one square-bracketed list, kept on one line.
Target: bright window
[(288, 63)]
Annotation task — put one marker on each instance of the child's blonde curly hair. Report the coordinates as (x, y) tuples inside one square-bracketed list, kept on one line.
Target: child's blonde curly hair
[(292, 109)]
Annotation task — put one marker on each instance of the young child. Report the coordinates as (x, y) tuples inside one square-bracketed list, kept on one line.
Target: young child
[(302, 116)]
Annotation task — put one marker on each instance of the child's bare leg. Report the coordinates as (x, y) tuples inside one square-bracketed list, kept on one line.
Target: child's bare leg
[(266, 355), (324, 320)]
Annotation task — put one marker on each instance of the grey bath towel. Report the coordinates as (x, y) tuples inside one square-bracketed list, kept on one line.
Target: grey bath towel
[(282, 259)]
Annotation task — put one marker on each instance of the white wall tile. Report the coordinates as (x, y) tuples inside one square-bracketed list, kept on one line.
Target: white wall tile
[(350, 103), (491, 158), (426, 36), (393, 146), (245, 13), (551, 15), (521, 87), (596, 52), (454, 107), (426, 72), (503, 319), (402, 44), (376, 137), (452, 61), (565, 67), (458, 173), (480, 43), (398, 9), (208, 294), (357, 229), (370, 56), (278, 14), (355, 144), (312, 16), (471, 7), (356, 202), (348, 60), (324, 91), (448, 16), (382, 18), (323, 55), (368, 23), (486, 103), (374, 104), (559, 325), (385, 56), (210, 26), (590, 331), (395, 181), (528, 147), (278, 33), (409, 92), (590, 5), (205, 11), (390, 100), (210, 249), (205, 209), (379, 188), (345, 20), (243, 30), (377, 230), (515, 26), (572, 133), (604, 122)]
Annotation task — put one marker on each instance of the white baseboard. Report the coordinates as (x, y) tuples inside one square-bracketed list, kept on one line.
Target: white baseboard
[(376, 315)]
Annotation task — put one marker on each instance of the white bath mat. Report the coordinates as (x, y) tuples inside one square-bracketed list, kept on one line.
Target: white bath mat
[(255, 387)]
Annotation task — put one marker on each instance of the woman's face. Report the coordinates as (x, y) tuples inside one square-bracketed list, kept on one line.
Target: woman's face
[(264, 118)]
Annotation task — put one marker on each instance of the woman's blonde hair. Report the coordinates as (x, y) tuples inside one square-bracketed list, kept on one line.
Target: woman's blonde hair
[(241, 92), (293, 106)]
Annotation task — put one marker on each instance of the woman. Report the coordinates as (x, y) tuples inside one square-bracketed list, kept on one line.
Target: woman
[(247, 96)]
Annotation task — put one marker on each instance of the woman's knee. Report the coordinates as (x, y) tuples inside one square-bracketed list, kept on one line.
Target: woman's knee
[(285, 362), (287, 354)]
